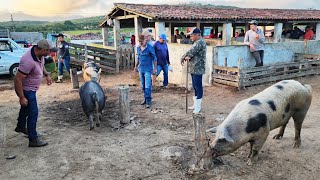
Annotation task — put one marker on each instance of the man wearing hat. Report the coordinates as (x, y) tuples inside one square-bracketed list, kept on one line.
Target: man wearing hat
[(146, 64), (162, 54), (254, 38), (196, 57), (26, 83), (148, 35), (63, 57)]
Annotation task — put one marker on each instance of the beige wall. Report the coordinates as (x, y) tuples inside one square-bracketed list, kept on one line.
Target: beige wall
[(178, 76)]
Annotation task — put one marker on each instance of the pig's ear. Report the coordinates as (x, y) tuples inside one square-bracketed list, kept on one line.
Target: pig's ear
[(227, 136)]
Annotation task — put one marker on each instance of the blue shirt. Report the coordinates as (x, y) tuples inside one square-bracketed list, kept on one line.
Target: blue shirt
[(146, 58), (162, 53)]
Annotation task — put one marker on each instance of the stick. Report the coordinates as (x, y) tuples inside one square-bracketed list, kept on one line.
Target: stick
[(187, 90)]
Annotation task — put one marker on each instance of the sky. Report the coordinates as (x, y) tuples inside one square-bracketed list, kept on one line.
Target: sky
[(55, 10)]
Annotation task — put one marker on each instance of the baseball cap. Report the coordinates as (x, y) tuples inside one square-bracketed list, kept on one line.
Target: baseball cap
[(46, 44), (60, 35), (163, 36), (255, 22), (194, 31), (146, 33)]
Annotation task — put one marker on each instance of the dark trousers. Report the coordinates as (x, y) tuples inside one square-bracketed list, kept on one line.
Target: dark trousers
[(28, 115), (197, 85), (258, 56)]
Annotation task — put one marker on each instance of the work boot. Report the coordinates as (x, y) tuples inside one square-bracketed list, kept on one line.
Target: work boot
[(197, 107), (194, 102), (37, 143), (143, 102), (21, 130)]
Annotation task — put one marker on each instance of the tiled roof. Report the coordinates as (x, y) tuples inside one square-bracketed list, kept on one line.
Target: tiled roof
[(181, 12)]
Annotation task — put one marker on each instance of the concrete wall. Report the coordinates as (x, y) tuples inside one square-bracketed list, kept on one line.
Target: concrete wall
[(178, 76), (274, 53)]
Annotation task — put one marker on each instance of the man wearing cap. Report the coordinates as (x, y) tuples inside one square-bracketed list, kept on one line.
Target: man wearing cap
[(147, 35), (254, 38), (26, 83), (196, 57), (146, 64), (162, 54), (64, 57)]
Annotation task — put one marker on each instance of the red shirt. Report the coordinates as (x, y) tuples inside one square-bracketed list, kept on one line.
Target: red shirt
[(309, 34)]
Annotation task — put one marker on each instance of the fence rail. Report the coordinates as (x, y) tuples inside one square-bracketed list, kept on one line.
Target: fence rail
[(110, 60), (303, 65)]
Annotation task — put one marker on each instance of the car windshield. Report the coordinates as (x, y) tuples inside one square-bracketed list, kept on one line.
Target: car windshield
[(5, 46)]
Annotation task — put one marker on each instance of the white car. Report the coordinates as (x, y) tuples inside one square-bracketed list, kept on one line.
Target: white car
[(10, 54)]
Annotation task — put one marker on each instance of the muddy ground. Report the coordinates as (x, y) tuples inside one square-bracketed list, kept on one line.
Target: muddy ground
[(158, 144)]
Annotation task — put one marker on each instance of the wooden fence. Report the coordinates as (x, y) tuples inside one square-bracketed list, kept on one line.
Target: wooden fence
[(109, 60), (303, 65)]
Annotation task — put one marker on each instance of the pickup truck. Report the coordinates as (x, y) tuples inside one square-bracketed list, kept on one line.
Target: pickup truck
[(10, 54)]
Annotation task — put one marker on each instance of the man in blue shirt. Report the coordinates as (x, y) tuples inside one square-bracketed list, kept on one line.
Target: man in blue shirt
[(146, 64), (162, 54)]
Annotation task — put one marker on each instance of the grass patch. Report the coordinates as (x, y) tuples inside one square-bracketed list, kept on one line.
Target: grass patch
[(79, 32), (52, 69)]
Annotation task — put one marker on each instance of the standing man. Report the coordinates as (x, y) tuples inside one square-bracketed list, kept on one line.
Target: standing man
[(162, 54), (63, 57), (146, 65), (26, 83), (254, 38), (197, 61)]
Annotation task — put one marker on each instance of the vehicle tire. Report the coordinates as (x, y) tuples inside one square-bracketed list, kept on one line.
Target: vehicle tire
[(14, 69)]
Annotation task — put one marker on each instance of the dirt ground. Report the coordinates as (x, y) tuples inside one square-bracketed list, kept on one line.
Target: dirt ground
[(158, 144)]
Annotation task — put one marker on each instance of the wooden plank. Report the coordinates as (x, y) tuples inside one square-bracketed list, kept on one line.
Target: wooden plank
[(226, 76), (279, 77), (229, 83), (222, 68)]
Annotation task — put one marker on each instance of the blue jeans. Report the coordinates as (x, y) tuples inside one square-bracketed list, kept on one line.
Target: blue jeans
[(164, 68), (65, 63), (197, 85), (145, 79), (29, 114)]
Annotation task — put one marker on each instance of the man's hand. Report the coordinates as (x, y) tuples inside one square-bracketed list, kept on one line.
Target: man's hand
[(23, 101), (135, 69), (61, 60), (257, 36), (49, 80), (252, 48), (154, 71)]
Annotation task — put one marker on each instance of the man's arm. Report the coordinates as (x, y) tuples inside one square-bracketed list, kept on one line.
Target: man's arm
[(261, 37), (18, 79), (48, 78), (154, 58), (194, 50), (66, 48)]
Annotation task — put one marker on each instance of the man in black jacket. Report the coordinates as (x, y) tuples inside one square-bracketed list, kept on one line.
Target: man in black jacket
[(63, 57)]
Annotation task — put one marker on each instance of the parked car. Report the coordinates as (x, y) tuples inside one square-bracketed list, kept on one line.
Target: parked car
[(10, 54), (23, 43)]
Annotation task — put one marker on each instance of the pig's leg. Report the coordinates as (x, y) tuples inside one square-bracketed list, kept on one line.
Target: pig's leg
[(298, 118), (98, 115), (281, 131), (256, 147), (91, 121), (251, 146)]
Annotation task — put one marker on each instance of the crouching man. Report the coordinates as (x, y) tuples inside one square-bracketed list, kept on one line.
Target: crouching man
[(26, 83)]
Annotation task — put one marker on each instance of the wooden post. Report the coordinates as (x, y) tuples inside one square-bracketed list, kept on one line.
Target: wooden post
[(239, 75), (74, 78), (118, 56), (203, 153), (124, 104), (85, 52)]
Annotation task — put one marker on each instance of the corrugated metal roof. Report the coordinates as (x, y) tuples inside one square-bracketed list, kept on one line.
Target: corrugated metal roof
[(182, 12)]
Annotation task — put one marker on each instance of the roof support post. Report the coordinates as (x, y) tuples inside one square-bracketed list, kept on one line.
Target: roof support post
[(105, 35), (116, 33), (277, 32), (137, 31), (227, 33), (170, 33), (318, 31), (160, 28)]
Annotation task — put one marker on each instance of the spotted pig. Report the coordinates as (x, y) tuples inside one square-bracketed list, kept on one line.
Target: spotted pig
[(252, 119)]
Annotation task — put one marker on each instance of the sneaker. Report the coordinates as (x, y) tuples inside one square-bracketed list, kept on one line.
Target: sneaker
[(21, 130), (148, 104), (37, 143), (59, 81), (143, 102)]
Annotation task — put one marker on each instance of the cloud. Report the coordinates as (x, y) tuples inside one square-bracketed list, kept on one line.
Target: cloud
[(47, 8)]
